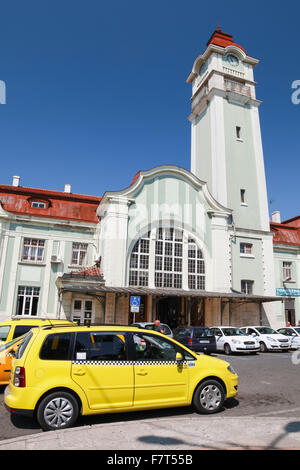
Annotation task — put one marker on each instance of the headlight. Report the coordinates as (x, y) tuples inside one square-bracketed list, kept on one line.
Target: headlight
[(231, 369)]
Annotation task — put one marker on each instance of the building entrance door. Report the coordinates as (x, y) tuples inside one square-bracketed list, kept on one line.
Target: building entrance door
[(289, 306), (168, 310)]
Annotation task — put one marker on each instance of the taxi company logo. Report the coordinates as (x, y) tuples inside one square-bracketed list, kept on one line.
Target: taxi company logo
[(2, 92), (296, 94)]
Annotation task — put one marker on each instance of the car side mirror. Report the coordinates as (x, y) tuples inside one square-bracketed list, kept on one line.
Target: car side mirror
[(11, 353), (179, 357), (253, 334)]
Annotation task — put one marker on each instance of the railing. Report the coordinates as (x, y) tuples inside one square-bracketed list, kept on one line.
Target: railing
[(236, 73), (203, 92), (237, 87)]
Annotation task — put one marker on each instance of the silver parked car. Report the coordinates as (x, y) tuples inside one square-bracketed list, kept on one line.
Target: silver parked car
[(151, 326)]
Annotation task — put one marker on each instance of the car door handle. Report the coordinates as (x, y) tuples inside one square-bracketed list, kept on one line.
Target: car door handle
[(79, 372), (142, 372)]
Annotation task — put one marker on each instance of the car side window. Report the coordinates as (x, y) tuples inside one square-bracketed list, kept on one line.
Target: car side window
[(217, 332), (154, 348), (22, 329), (56, 347), (100, 346), (4, 330), (250, 331)]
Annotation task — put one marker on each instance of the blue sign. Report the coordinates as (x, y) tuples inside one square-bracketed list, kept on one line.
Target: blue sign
[(135, 301), (288, 292)]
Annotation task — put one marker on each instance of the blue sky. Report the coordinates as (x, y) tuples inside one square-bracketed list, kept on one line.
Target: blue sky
[(97, 90)]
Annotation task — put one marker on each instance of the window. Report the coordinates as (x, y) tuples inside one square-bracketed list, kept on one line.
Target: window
[(27, 302), (139, 262), (243, 196), (21, 330), (247, 287), (33, 250), (82, 311), (238, 132), (4, 330), (98, 346), (246, 248), (79, 254), (196, 267), (38, 205), (56, 347), (168, 258), (153, 348), (287, 270)]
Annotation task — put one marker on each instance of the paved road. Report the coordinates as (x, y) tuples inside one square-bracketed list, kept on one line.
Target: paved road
[(269, 386)]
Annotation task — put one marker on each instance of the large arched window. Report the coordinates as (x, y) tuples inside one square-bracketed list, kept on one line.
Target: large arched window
[(167, 258)]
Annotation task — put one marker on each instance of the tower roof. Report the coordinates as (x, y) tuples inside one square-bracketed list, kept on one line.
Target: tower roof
[(218, 38)]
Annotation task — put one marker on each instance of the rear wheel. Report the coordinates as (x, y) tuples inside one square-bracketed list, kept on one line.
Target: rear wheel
[(59, 410), (209, 397), (227, 349)]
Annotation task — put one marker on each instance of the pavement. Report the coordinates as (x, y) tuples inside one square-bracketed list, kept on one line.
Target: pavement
[(171, 433)]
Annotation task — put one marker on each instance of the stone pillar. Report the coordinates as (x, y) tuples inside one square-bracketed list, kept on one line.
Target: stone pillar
[(149, 309), (110, 305)]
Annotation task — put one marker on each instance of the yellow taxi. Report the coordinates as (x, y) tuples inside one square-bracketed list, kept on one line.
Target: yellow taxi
[(7, 352), (60, 372), (16, 327)]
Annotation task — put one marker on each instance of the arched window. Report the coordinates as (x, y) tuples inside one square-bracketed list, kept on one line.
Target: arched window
[(167, 258)]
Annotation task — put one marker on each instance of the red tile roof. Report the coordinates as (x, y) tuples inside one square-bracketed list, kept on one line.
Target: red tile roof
[(59, 205), (92, 271), (223, 40), (287, 233)]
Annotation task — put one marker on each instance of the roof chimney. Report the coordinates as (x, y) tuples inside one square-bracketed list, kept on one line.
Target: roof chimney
[(67, 188), (16, 181), (276, 217)]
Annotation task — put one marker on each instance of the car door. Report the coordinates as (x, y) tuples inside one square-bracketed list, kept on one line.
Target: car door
[(219, 338), (101, 368), (159, 378)]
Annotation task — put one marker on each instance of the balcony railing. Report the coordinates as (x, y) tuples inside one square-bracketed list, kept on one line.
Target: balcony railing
[(237, 87)]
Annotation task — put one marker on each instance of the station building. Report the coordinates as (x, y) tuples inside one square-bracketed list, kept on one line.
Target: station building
[(196, 245)]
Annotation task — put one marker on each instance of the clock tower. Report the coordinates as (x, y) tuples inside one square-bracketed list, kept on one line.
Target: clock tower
[(226, 146)]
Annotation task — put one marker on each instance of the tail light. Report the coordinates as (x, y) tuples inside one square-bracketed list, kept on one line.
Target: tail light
[(190, 341), (19, 377)]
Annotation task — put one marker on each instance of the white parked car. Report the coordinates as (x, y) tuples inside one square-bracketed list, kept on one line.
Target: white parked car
[(231, 339), (269, 339), (293, 333), (151, 326)]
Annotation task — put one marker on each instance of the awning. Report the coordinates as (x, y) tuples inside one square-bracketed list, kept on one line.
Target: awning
[(158, 292)]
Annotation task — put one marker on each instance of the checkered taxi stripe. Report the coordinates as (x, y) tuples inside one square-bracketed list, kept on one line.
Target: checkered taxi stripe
[(128, 363)]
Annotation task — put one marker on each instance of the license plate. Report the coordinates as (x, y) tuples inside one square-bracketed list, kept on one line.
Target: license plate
[(203, 341), (250, 347)]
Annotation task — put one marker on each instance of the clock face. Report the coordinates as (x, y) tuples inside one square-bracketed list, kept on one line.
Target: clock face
[(233, 60)]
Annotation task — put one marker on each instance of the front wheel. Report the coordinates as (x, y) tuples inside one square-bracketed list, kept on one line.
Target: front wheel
[(227, 349), (209, 397), (263, 347), (59, 410)]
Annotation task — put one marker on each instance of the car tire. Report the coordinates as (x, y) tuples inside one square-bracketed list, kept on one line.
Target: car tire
[(263, 347), (58, 410), (227, 349), (209, 397)]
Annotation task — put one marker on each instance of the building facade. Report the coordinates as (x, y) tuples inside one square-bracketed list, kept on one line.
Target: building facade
[(196, 246)]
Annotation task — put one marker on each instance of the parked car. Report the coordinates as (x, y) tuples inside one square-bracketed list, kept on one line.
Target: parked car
[(7, 352), (231, 339), (151, 326), (16, 327), (293, 333), (60, 372), (269, 339), (196, 338)]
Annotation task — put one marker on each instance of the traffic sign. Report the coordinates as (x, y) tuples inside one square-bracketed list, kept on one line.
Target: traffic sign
[(134, 309), (135, 301)]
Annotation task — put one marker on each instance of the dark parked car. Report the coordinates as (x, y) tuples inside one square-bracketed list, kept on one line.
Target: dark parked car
[(197, 338)]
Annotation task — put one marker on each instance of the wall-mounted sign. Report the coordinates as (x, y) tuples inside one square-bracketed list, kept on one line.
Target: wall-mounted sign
[(288, 292)]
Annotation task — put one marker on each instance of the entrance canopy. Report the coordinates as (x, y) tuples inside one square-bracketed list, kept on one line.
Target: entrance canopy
[(139, 291)]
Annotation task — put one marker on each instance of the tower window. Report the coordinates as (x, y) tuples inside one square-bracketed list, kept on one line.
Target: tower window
[(238, 132), (247, 287), (243, 196)]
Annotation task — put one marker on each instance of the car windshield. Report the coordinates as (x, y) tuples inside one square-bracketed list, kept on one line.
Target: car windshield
[(11, 343), (264, 330), (202, 332), (233, 332), (297, 330), (151, 326)]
